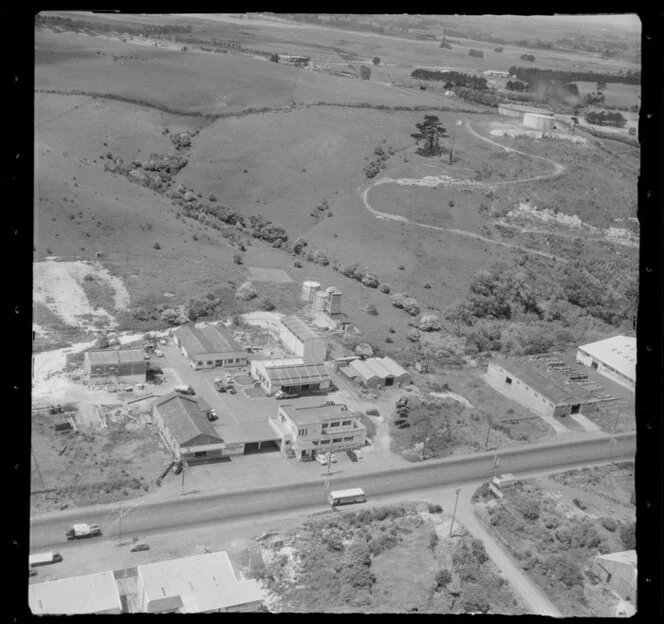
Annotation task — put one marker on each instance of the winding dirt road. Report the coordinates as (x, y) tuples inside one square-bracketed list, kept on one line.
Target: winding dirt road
[(459, 183)]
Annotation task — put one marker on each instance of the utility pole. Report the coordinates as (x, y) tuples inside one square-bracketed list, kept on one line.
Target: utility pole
[(488, 432), (426, 435), (496, 461), (612, 444), (615, 424), (454, 512), (37, 467), (120, 525), (184, 463)]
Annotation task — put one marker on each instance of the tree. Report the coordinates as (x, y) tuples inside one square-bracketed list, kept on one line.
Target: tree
[(430, 131), (274, 58), (376, 60), (601, 85), (474, 599), (443, 577), (102, 342), (628, 536), (365, 72)]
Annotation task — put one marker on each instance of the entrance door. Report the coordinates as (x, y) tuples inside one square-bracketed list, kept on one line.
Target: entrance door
[(389, 381), (594, 365), (576, 408)]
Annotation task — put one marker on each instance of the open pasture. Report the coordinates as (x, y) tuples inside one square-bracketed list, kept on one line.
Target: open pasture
[(616, 94)]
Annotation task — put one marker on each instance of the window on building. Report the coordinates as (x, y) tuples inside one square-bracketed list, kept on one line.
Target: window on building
[(348, 439), (345, 423), (200, 454), (324, 442), (508, 381), (302, 432), (209, 362), (324, 426), (199, 362), (335, 424), (336, 440)]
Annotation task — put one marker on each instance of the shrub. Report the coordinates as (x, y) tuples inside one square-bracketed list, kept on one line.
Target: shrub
[(157, 246), (237, 258), (628, 536), (385, 288), (402, 267), (267, 304), (427, 285), (443, 577), (320, 258), (435, 508), (429, 322), (371, 309), (369, 279), (528, 507), (413, 335), (473, 599), (246, 292), (609, 524)]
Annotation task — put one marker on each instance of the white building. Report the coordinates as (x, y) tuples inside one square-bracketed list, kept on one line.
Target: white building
[(92, 593), (301, 340), (614, 358), (198, 584), (538, 122)]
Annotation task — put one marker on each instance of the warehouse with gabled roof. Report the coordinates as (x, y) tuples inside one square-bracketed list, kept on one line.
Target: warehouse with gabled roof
[(614, 358), (291, 376), (209, 346), (375, 372)]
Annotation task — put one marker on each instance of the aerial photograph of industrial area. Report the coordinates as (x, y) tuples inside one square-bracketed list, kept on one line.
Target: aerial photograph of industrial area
[(334, 313)]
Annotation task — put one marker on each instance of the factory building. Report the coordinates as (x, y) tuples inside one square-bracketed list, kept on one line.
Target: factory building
[(91, 593), (518, 111), (376, 372), (614, 358), (325, 428), (294, 375), (112, 365), (548, 385), (301, 340), (298, 61), (198, 584), (209, 346)]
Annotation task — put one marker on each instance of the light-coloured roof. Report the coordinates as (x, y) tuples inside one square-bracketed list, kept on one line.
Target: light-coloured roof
[(280, 362), (318, 414), (299, 328), (360, 367), (626, 556), (526, 109), (206, 340), (203, 583), (115, 356), (297, 374), (246, 433), (618, 352), (184, 418), (395, 369), (92, 593)]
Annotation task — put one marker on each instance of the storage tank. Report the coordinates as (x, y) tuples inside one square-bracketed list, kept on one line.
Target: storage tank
[(320, 300), (309, 289), (538, 122), (334, 302)]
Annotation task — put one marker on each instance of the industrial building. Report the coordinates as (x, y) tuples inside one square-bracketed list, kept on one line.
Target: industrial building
[(328, 300), (325, 428), (248, 438), (91, 593), (301, 340), (614, 358), (298, 61), (537, 121), (209, 346), (293, 375), (496, 73), (198, 584), (113, 365), (618, 571), (376, 372), (518, 111), (186, 430), (548, 385)]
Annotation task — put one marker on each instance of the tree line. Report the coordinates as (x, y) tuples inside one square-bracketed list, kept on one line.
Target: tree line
[(142, 29), (451, 78), (533, 74)]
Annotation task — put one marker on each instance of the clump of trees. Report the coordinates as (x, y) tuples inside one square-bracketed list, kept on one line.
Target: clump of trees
[(246, 292), (476, 53), (451, 78), (527, 57), (604, 118), (404, 302), (428, 135)]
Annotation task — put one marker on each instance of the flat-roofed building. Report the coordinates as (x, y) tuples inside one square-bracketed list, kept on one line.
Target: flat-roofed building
[(91, 593), (209, 346), (325, 428), (614, 358), (290, 376), (247, 438), (186, 430), (198, 584), (302, 340), (103, 365), (549, 385)]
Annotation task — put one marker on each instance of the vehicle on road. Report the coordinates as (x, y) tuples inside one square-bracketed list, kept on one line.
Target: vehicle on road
[(80, 531), (177, 467), (286, 395), (346, 497), (212, 415), (232, 390), (138, 547), (45, 558), (352, 455), (321, 458), (184, 389)]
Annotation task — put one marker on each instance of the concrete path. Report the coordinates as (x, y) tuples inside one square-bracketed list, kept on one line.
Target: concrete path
[(531, 594)]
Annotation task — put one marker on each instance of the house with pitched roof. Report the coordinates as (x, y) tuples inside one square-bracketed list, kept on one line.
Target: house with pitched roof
[(209, 346), (186, 430), (111, 365)]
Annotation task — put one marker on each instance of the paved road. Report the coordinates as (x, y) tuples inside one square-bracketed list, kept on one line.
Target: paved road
[(142, 517)]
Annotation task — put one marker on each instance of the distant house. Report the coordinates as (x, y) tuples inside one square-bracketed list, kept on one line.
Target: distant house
[(614, 358), (198, 584), (104, 365), (325, 428), (375, 372), (209, 346), (302, 340), (619, 571), (294, 375), (91, 593), (518, 110), (299, 61), (186, 430)]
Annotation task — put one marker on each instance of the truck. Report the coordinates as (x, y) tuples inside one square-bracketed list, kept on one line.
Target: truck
[(80, 531), (184, 389), (45, 558)]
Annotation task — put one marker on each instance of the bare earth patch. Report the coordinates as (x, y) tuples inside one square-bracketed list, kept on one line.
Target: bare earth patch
[(278, 276)]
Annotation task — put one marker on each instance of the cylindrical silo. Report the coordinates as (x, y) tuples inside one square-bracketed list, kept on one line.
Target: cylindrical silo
[(320, 298), (309, 289)]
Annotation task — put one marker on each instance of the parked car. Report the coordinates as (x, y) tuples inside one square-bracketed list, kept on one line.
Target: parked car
[(219, 385), (351, 453), (140, 546), (177, 467), (184, 389), (321, 458), (286, 395)]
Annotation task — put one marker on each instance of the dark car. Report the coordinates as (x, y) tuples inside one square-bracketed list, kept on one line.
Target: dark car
[(352, 454)]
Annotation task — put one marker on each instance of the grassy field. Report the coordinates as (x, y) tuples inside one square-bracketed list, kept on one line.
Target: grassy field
[(616, 94), (91, 467), (554, 527), (381, 560)]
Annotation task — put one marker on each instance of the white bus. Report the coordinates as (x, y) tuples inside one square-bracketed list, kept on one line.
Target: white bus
[(344, 497)]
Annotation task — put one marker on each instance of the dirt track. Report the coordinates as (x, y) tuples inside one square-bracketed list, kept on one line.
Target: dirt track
[(459, 183)]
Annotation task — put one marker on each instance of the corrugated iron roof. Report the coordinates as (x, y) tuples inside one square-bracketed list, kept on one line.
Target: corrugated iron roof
[(395, 368), (115, 356), (297, 374), (206, 340), (618, 352), (184, 418), (361, 368), (247, 433), (299, 328), (626, 556)]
